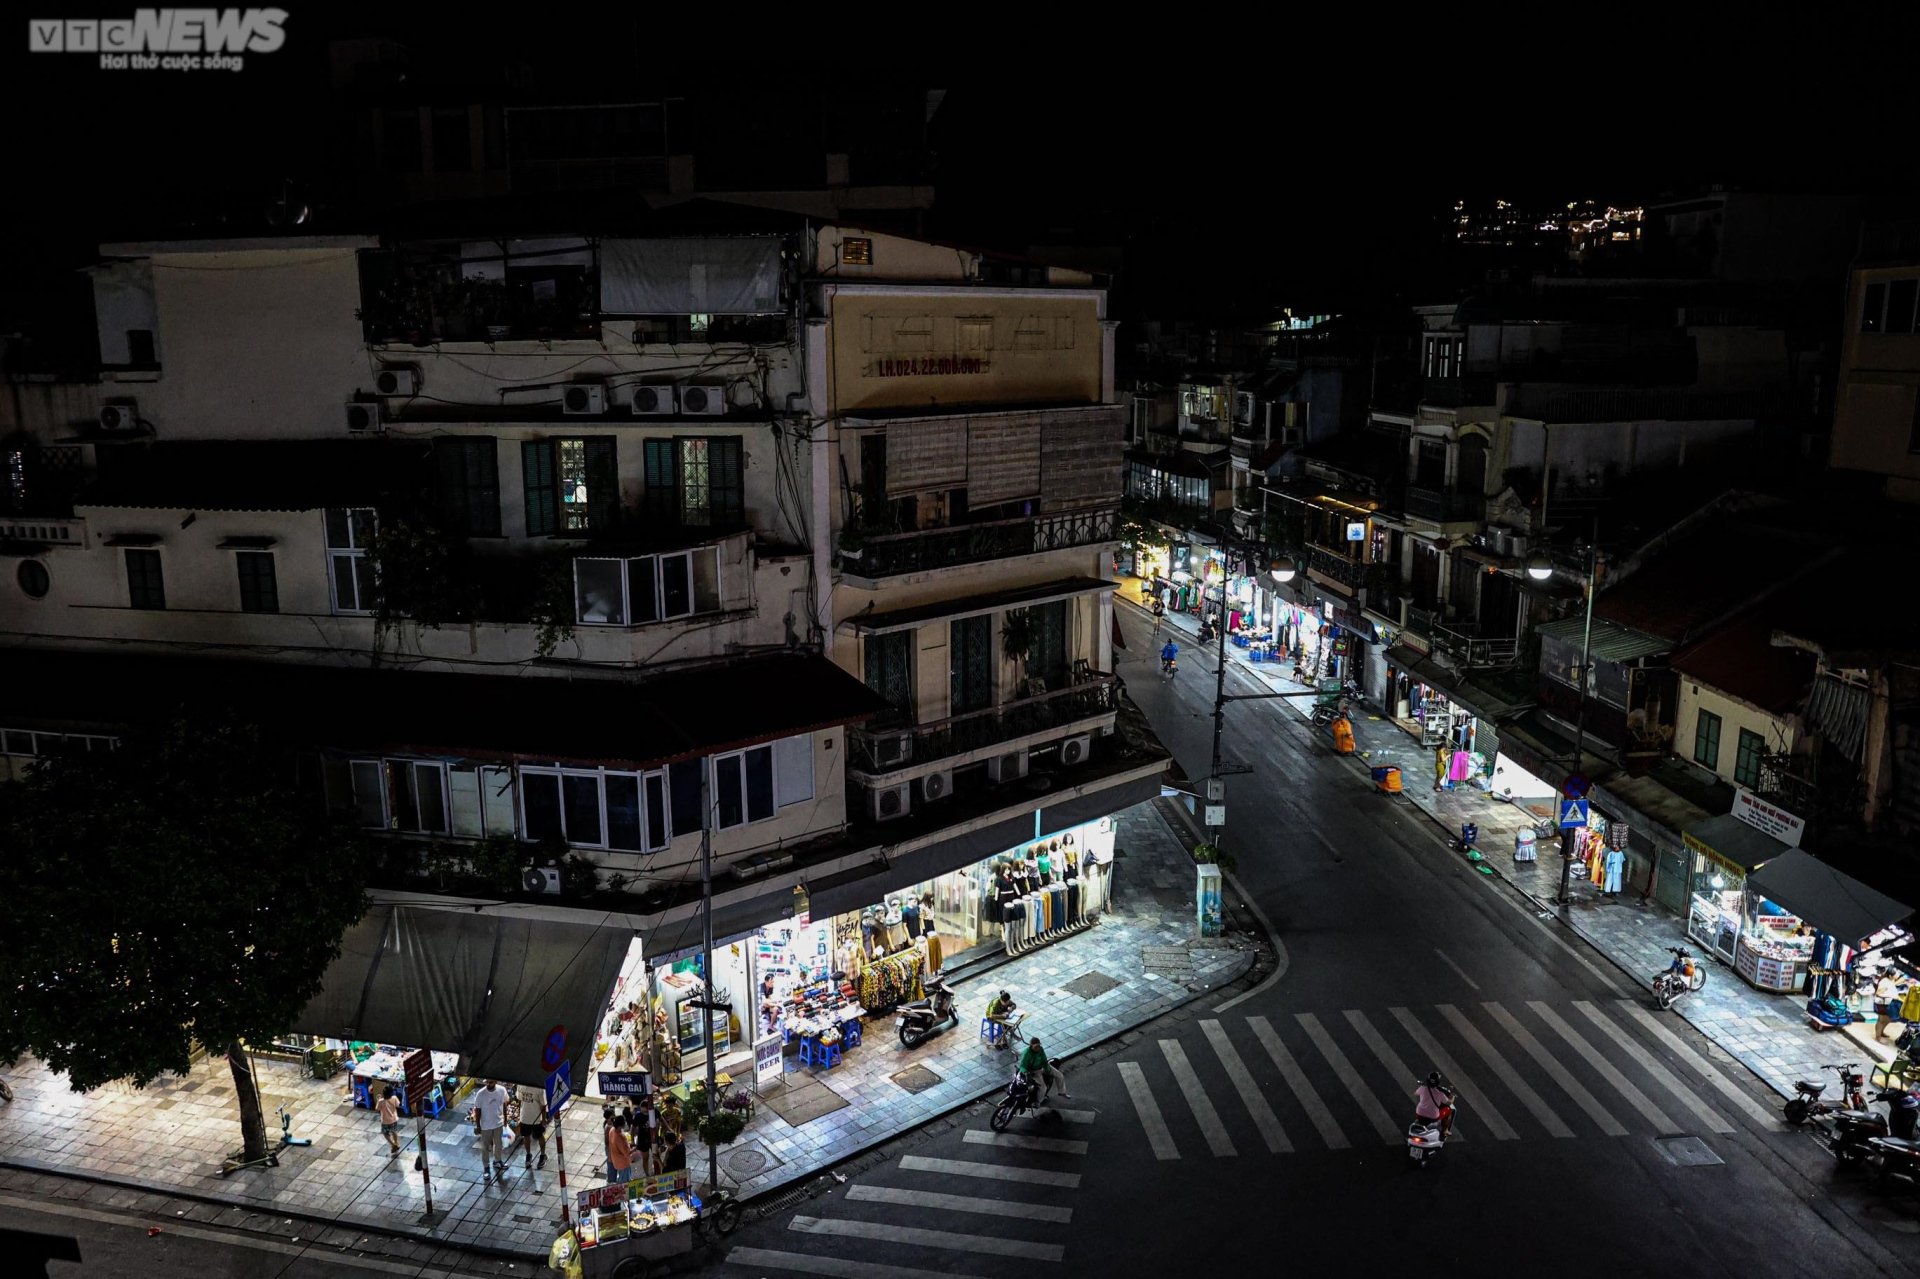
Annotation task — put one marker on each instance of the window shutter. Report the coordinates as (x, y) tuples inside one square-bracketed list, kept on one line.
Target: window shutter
[(536, 460), (726, 482), (603, 483), (450, 467), (662, 488)]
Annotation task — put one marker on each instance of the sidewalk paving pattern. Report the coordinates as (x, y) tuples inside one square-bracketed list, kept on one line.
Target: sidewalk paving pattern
[(171, 1136), (1769, 1034)]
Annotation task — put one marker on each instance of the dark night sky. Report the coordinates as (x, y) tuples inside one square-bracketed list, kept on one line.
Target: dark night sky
[(1242, 195)]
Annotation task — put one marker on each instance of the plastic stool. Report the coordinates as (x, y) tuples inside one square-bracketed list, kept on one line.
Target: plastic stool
[(850, 1033), (810, 1049), (830, 1055), (993, 1032), (362, 1095), (435, 1103)]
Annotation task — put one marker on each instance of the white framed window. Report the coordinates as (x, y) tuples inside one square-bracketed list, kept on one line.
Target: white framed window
[(25, 744), (793, 770), (751, 785), (408, 795), (350, 532), (646, 588), (597, 808), (480, 800)]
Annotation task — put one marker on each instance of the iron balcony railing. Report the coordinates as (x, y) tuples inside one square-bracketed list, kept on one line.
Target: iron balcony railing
[(881, 750), (1331, 563), (1441, 505), (885, 555), (1473, 649)]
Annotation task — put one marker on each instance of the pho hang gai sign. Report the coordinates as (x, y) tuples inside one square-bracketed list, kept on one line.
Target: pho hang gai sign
[(1768, 818)]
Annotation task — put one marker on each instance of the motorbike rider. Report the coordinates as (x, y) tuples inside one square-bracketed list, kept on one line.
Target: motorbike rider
[(1168, 654), (1433, 1101), (1001, 1009), (1038, 1071)]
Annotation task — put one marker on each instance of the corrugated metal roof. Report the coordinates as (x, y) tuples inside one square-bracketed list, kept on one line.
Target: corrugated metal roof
[(1611, 642)]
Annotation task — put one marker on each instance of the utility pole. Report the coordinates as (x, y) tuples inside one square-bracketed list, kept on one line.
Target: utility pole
[(706, 949), (1567, 836), (1283, 571)]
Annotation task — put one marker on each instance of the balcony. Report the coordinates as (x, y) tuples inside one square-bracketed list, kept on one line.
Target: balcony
[(891, 554), (1472, 649), (878, 751), (1333, 566), (44, 530), (1443, 506), (1385, 602)]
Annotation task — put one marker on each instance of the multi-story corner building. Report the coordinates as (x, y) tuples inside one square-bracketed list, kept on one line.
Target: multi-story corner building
[(528, 539), (1876, 414)]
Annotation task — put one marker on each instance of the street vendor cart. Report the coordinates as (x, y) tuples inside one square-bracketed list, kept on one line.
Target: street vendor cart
[(628, 1231)]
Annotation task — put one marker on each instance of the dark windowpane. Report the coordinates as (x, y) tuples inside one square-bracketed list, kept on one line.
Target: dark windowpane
[(469, 484), (494, 121), (370, 793), (363, 582), (1900, 305), (597, 589), (676, 586), (144, 587), (759, 763), (971, 655), (603, 483), (259, 593), (401, 133), (338, 537), (541, 792), (430, 797), (890, 668), (1746, 764), (452, 142), (582, 795), (642, 590), (536, 464), (623, 812), (726, 484), (728, 800), (656, 810), (1872, 304), (1048, 661), (1706, 740), (406, 811), (683, 781), (140, 348)]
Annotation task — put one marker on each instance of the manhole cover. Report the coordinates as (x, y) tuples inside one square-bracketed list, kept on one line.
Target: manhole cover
[(916, 1079), (1090, 985), (1687, 1152), (748, 1160), (1170, 962)]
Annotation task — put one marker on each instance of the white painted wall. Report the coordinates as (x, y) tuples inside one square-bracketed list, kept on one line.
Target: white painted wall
[(1780, 732)]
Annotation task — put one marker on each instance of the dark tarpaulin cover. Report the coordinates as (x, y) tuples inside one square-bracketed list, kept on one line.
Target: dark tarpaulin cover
[(1833, 902), (488, 987)]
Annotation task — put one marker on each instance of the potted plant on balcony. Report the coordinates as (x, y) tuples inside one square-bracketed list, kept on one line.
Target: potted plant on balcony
[(853, 543), (1017, 637)]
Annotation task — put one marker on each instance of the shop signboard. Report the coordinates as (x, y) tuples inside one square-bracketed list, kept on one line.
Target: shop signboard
[(767, 1066), (623, 1083), (1356, 532), (418, 1065), (1769, 819)]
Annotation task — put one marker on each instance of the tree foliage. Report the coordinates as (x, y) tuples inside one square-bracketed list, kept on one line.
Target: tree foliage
[(175, 890)]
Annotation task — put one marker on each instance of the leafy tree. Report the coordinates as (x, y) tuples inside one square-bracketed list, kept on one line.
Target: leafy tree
[(175, 890)]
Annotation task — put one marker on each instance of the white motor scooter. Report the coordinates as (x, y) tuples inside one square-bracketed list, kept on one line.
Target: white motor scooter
[(1424, 1136)]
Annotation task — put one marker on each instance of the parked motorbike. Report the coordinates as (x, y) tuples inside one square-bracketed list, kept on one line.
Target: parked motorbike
[(1684, 976), (1327, 712), (1206, 633), (1022, 1095), (923, 1018), (1848, 1134), (1806, 1102), (1898, 1157)]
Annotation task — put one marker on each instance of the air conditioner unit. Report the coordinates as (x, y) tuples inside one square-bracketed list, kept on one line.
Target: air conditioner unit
[(699, 399), (1076, 750), (1007, 768), (892, 752), (363, 417), (120, 415), (541, 879), (936, 785), (650, 401), (884, 803), (584, 399), (397, 379)]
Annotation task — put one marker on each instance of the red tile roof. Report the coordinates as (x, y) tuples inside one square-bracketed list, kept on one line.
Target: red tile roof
[(1739, 660), (1709, 574)]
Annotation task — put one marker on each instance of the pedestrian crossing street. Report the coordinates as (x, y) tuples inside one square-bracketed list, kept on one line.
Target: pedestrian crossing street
[(1255, 1086), (1336, 1082)]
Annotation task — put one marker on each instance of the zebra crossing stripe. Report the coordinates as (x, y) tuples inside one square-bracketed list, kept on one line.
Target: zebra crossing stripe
[(1297, 1080), (959, 1203), (1383, 1123), (1263, 1117), (989, 1172), (1203, 1112), (1482, 1105), (1016, 1141), (1149, 1111), (1688, 1098), (1504, 1071), (1391, 1059), (887, 1232), (1561, 1075), (1075, 1116), (1672, 1042), (1620, 1083), (775, 1260)]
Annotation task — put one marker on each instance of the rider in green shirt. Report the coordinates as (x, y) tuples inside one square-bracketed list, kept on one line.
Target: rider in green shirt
[(1037, 1069)]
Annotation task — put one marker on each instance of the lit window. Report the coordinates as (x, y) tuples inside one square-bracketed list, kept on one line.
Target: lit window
[(350, 532)]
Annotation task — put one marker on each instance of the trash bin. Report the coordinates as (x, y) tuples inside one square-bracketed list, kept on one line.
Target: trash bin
[(1387, 778), (1469, 834)]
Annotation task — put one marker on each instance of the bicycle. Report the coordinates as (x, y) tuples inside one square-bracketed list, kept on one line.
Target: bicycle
[(719, 1213)]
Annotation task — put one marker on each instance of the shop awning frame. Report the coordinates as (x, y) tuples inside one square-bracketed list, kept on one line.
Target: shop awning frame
[(976, 605), (1728, 839), (1831, 901)]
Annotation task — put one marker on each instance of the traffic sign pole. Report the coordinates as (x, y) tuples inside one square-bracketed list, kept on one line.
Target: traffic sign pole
[(560, 1146), (426, 1177)]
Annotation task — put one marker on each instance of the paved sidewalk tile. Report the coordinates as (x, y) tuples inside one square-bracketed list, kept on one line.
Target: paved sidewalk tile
[(171, 1137), (1769, 1034)]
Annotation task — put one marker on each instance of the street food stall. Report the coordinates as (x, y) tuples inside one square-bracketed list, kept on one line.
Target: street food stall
[(1823, 901), (1725, 851), (622, 1230)]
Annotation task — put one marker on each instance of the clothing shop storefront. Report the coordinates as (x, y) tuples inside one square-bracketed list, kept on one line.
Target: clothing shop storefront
[(1466, 747), (805, 985), (1839, 922)]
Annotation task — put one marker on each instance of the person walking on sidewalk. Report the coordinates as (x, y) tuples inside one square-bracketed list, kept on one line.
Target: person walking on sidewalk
[(533, 1123), (646, 1123), (1159, 616), (489, 1116), (389, 1111)]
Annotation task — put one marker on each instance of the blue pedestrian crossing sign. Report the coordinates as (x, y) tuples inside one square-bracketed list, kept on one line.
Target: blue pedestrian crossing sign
[(559, 1087), (1573, 813)]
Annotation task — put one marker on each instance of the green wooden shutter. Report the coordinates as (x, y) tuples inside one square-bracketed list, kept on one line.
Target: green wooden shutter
[(536, 460), (603, 483)]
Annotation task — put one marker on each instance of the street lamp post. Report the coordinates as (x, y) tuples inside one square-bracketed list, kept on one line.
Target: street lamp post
[(1282, 570), (1540, 568)]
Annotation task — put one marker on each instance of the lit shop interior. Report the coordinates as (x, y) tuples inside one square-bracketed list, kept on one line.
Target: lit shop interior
[(806, 984)]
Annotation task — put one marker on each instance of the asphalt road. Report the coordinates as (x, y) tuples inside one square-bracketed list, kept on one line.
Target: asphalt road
[(1270, 1133)]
